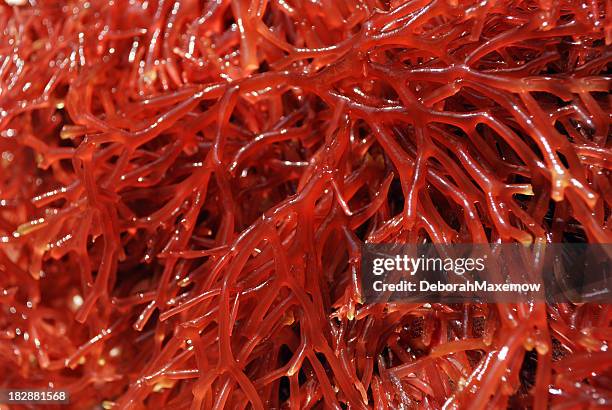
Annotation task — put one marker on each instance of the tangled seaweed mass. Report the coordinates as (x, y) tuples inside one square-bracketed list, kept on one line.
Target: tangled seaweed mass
[(185, 187)]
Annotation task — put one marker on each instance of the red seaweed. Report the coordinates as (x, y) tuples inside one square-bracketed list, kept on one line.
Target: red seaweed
[(186, 186)]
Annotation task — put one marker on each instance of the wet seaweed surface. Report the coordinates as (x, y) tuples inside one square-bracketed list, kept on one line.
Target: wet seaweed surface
[(185, 187)]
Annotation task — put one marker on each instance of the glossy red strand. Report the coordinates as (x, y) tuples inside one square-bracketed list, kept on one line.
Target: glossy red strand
[(185, 187)]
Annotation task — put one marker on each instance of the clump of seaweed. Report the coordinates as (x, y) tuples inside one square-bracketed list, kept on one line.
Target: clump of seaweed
[(186, 185)]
